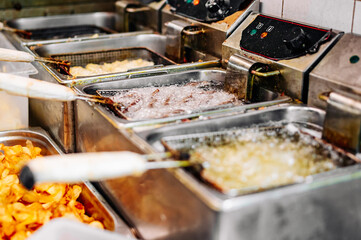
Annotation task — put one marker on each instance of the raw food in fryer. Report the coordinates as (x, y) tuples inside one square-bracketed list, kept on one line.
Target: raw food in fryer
[(117, 66), (158, 102), (259, 160), (21, 211)]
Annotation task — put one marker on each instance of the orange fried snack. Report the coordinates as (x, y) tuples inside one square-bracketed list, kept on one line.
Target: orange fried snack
[(22, 211)]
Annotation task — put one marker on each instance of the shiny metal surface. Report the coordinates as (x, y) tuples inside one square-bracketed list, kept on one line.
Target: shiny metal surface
[(294, 72), (167, 204), (265, 98), (57, 118), (92, 200), (342, 125), (211, 35), (107, 20), (135, 16), (336, 71)]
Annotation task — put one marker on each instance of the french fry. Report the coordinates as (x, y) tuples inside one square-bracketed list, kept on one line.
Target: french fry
[(22, 212)]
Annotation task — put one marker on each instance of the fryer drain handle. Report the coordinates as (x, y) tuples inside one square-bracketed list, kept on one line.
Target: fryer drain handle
[(244, 74)]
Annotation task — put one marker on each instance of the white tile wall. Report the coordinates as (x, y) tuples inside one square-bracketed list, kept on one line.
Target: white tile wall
[(357, 18), (336, 14)]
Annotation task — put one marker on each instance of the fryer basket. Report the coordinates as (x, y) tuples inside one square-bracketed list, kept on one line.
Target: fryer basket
[(187, 143), (108, 56)]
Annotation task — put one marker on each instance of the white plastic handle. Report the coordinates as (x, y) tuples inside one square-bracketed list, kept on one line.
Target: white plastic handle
[(34, 88), (72, 168), (9, 55)]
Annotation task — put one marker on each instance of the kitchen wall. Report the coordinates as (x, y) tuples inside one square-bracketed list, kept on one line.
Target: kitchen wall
[(342, 15)]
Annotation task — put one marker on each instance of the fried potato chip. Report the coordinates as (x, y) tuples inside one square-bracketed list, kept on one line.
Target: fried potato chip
[(22, 212)]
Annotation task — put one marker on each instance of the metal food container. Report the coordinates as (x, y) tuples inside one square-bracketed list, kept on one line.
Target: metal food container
[(173, 204), (213, 76), (63, 27), (90, 198)]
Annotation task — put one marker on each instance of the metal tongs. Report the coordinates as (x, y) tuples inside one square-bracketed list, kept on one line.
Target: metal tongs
[(33, 88), (26, 34), (9, 55), (78, 167)]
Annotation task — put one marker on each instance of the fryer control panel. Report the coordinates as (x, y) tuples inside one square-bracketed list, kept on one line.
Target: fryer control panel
[(205, 10), (279, 39)]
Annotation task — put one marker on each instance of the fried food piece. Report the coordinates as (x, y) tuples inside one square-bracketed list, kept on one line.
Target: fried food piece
[(22, 212)]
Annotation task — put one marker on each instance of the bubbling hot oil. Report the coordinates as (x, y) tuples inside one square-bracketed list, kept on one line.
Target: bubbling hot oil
[(263, 159), (165, 101)]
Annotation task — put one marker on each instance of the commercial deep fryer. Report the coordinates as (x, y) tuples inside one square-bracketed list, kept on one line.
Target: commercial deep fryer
[(292, 48), (174, 204), (262, 97)]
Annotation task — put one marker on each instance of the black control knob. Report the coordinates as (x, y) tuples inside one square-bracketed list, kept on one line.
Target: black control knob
[(214, 6), (297, 41)]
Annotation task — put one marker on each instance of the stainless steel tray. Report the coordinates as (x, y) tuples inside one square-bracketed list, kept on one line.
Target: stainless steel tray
[(65, 26), (266, 98), (92, 200), (192, 210)]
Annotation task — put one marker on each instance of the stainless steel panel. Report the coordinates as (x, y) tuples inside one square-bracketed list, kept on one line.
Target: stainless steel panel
[(216, 75), (136, 16), (294, 72), (337, 71), (92, 200)]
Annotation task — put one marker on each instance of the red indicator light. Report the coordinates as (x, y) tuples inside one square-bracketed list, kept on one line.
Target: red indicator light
[(195, 2), (264, 34)]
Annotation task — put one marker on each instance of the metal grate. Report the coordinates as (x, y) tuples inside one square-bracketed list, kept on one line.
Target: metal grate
[(67, 32)]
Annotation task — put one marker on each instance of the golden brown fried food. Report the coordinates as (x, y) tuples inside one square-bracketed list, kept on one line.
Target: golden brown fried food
[(22, 211)]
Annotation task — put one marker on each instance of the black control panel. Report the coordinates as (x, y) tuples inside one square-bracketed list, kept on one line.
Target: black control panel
[(205, 10), (279, 39)]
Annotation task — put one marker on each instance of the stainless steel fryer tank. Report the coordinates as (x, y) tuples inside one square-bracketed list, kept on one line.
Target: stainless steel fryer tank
[(167, 204), (265, 97), (61, 27), (57, 117), (153, 42)]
